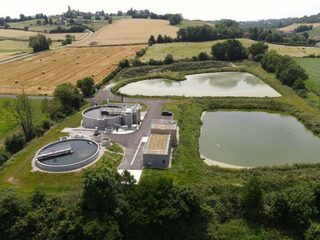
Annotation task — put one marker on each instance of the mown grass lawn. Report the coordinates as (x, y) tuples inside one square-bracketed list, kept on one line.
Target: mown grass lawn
[(16, 174)]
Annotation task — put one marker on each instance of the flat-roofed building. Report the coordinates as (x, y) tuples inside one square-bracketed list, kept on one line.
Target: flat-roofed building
[(157, 151), (165, 126)]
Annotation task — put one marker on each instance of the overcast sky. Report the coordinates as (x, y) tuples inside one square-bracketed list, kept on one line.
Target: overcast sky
[(191, 9)]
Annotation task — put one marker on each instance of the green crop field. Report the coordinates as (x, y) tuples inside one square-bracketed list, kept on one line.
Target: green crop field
[(33, 26), (16, 46), (96, 25), (183, 50), (191, 23), (7, 46), (314, 33), (7, 121), (311, 65)]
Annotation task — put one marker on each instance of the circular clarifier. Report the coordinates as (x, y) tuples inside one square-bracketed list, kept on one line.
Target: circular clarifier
[(67, 155)]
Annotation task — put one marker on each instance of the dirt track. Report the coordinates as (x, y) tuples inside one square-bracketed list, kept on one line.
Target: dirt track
[(41, 73)]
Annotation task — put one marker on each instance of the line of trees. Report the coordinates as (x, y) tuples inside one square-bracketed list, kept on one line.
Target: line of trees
[(273, 36), (286, 69), (174, 19), (222, 30)]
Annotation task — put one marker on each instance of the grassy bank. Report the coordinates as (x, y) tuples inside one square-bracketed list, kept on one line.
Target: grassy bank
[(16, 173), (8, 123)]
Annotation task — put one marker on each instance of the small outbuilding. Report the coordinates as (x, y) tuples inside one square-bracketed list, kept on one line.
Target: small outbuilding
[(157, 151), (163, 136)]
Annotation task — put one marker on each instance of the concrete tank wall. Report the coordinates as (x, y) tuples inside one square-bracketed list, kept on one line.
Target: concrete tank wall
[(156, 160)]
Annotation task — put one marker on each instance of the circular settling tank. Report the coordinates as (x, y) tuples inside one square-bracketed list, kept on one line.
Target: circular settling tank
[(67, 155)]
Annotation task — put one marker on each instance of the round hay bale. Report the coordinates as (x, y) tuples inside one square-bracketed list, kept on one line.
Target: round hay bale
[(16, 81), (92, 75), (44, 72), (78, 63), (39, 88)]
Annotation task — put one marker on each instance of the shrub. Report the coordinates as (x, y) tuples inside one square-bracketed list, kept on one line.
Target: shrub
[(257, 49), (313, 232), (168, 59), (229, 50), (68, 40), (15, 143), (293, 208), (46, 124), (252, 199), (141, 52), (151, 40), (203, 56), (39, 131), (124, 63), (154, 62), (4, 156), (39, 43), (136, 62), (160, 39), (69, 97), (86, 85)]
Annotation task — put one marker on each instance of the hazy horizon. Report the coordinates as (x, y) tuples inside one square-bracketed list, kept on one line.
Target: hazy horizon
[(245, 10)]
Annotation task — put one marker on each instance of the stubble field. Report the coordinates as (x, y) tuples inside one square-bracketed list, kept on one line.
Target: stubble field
[(130, 31), (42, 73)]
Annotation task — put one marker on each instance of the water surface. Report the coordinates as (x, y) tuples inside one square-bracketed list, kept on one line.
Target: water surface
[(82, 151), (252, 139), (222, 84)]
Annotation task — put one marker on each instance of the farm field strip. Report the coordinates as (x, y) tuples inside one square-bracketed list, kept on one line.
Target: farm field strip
[(129, 31), (24, 35), (292, 27), (40, 74), (181, 50)]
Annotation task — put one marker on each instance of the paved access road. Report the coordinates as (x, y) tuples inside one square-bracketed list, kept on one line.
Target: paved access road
[(132, 159)]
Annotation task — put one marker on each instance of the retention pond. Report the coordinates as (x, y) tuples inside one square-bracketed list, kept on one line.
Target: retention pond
[(256, 139), (221, 84)]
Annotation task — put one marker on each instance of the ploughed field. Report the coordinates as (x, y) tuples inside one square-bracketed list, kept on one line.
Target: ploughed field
[(130, 31), (40, 74)]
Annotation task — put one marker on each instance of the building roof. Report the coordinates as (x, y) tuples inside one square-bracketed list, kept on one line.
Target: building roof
[(164, 124), (158, 144)]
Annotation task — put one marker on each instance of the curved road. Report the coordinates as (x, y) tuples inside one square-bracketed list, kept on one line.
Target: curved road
[(132, 159)]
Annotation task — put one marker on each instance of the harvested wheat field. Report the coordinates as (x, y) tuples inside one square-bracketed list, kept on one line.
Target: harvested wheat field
[(24, 35), (130, 31), (41, 73), (292, 27)]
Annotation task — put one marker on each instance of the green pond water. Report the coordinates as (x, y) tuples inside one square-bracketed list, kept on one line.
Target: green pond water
[(222, 84), (253, 139)]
